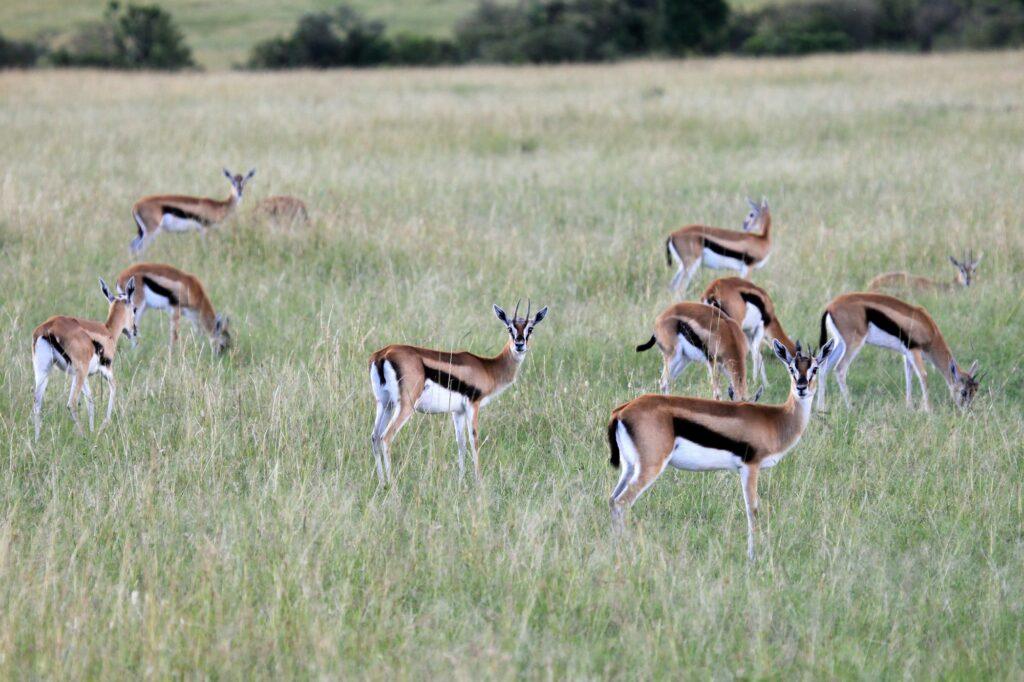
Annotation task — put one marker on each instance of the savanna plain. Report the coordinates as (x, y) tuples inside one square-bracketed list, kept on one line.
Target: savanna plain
[(229, 520)]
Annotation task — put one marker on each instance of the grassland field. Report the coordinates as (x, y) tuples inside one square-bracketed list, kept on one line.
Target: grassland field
[(229, 521)]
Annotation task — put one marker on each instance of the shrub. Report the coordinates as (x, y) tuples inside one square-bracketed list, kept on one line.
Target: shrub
[(422, 50), (804, 28), (323, 40), (135, 37), (18, 54)]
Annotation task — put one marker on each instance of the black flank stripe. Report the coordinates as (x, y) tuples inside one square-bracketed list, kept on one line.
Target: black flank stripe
[(757, 302), (452, 383), (55, 344), (159, 290), (705, 437), (889, 326), (692, 338), (187, 215), (726, 252)]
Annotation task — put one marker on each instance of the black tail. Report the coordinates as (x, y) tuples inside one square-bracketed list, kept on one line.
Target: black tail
[(646, 346), (823, 337), (613, 444), (668, 251)]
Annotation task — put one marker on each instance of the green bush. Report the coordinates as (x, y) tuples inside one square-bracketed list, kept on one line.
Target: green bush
[(18, 54), (417, 50), (326, 39)]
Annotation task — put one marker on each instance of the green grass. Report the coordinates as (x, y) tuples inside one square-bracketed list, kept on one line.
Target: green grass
[(229, 521)]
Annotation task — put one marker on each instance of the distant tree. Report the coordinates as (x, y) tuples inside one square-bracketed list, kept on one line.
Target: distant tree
[(326, 39), (18, 54), (691, 25)]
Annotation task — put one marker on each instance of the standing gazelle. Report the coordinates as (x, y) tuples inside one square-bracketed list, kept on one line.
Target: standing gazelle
[(177, 213), (965, 270), (752, 308), (693, 332), (405, 379), (82, 348), (649, 433), (878, 320), (164, 287), (717, 248)]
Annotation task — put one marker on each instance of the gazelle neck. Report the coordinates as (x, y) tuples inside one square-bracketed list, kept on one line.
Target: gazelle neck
[(942, 357), (506, 364), (796, 415), (117, 320), (766, 225)]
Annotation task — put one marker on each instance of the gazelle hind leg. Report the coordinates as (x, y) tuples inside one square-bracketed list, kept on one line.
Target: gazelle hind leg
[(908, 370), (108, 375), (89, 407), (42, 368), (748, 482), (384, 413), (472, 419), (843, 366), (77, 379), (459, 419), (404, 412), (831, 361), (922, 374)]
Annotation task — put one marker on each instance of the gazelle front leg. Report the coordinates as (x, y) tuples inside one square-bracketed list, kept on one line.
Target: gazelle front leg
[(459, 418), (748, 481), (108, 375), (73, 396), (713, 373), (471, 422), (907, 371), (755, 356), (922, 373), (89, 407), (175, 324)]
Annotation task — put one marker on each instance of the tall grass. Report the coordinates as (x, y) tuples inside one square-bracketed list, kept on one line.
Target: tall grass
[(229, 520)]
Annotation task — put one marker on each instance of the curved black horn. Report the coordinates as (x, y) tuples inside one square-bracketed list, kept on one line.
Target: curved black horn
[(529, 305), (515, 315)]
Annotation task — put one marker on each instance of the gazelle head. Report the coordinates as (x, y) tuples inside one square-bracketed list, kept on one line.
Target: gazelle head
[(966, 267), (965, 384), (520, 328), (123, 299), (238, 181), (221, 337), (803, 368), (756, 214)]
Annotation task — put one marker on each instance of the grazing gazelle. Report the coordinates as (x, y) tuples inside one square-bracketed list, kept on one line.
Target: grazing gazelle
[(176, 213), (887, 322), (649, 433), (407, 379), (965, 270), (694, 332), (283, 208), (167, 288), (752, 308), (82, 348), (718, 248)]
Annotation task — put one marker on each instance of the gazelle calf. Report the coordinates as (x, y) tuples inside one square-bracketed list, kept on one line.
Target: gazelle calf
[(653, 431), (693, 332), (283, 208), (177, 213), (405, 379), (82, 348), (965, 270), (752, 308), (164, 287), (854, 320), (716, 248)]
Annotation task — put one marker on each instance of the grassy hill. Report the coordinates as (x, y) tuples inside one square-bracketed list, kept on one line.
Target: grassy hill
[(222, 32), (228, 523)]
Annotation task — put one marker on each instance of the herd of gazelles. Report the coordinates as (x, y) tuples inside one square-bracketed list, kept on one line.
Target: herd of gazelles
[(733, 318)]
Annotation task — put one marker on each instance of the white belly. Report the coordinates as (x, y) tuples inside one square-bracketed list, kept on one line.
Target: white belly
[(752, 320), (685, 349), (436, 399), (692, 457), (876, 337), (717, 261), (154, 300), (493, 395), (173, 223)]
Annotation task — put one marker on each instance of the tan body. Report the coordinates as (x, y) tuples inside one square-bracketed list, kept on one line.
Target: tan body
[(857, 319), (81, 348), (284, 208), (652, 431), (182, 213), (165, 287), (694, 332), (695, 245), (966, 267), (407, 379), (752, 308)]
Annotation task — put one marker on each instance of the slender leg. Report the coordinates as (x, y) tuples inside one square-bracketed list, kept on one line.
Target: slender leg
[(666, 374), (748, 481), (922, 374), (755, 356), (627, 473), (89, 407), (384, 413), (713, 372), (907, 371), (674, 370), (404, 412), (690, 272), (42, 378), (677, 279), (76, 390), (108, 374), (460, 437), (843, 366), (471, 423), (175, 324), (837, 354), (628, 496)]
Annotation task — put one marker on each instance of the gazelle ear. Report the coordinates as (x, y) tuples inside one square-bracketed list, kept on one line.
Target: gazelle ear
[(753, 204), (781, 352), (106, 291), (129, 287), (975, 263), (825, 350), (954, 261), (541, 314), (953, 371), (764, 203), (227, 174), (974, 368), (500, 314), (252, 172)]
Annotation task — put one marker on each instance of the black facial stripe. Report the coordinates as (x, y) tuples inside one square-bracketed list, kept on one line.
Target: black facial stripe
[(55, 344), (726, 252), (187, 215), (452, 383), (691, 337), (756, 301), (705, 437), (889, 326), (159, 290)]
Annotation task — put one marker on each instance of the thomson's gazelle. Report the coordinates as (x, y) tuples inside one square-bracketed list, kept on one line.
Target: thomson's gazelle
[(752, 308), (405, 379), (653, 431), (164, 287), (716, 248), (965, 270), (878, 320), (693, 332), (176, 213), (82, 348)]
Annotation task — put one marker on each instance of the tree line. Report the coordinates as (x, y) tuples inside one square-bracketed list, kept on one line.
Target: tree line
[(551, 31)]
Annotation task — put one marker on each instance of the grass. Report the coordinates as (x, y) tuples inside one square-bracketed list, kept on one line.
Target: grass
[(229, 520)]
